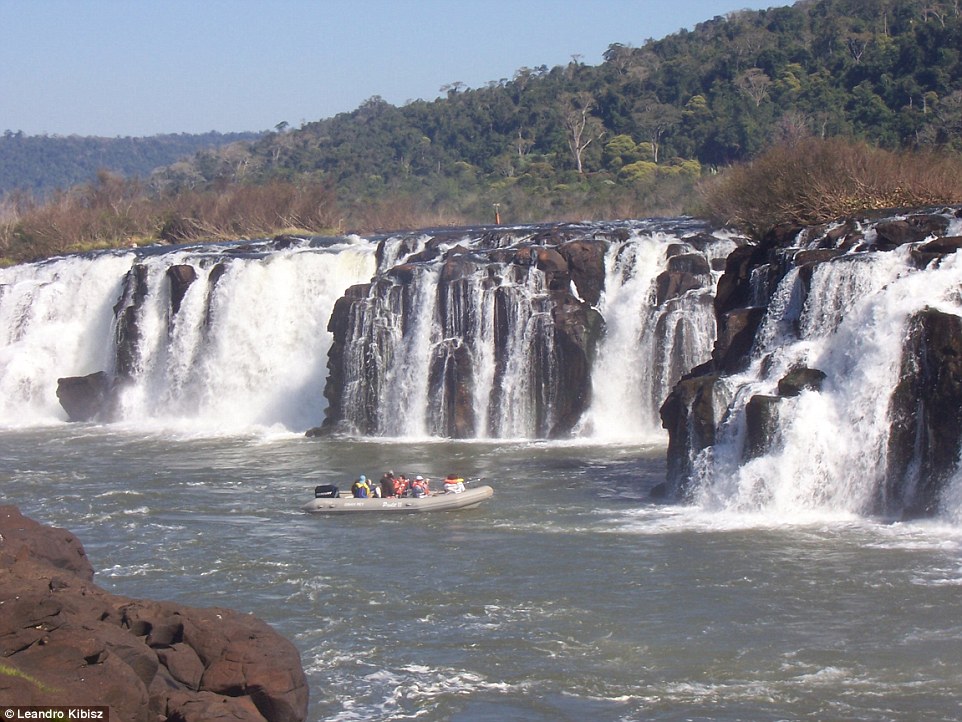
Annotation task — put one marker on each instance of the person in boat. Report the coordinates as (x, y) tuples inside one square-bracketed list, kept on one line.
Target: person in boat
[(453, 484), (360, 488), (388, 485), (402, 486), (420, 487)]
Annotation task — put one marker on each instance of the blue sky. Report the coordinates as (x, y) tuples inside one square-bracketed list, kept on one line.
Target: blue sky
[(141, 67)]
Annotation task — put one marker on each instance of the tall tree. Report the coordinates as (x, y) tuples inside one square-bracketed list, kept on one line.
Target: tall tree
[(654, 119), (581, 127)]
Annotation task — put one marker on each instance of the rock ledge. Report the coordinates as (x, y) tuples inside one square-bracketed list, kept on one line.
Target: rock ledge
[(64, 640)]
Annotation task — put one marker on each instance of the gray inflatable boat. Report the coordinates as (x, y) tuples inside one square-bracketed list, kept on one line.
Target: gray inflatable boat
[(435, 502)]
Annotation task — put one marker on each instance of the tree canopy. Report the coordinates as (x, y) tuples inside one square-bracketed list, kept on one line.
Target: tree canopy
[(629, 137), (888, 72)]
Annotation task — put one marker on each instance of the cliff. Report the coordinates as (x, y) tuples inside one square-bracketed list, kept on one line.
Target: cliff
[(498, 332), (835, 379), (64, 640)]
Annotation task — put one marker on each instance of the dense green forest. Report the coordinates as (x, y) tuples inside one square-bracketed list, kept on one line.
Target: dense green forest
[(40, 164), (641, 134), (629, 135)]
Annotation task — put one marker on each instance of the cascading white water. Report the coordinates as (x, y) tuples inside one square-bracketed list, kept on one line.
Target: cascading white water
[(480, 329), (829, 450), (247, 350), (248, 343), (647, 346), (262, 358), (399, 334), (529, 370), (55, 320), (405, 387)]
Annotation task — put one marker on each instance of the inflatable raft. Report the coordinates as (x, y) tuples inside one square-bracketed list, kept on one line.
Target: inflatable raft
[(435, 502)]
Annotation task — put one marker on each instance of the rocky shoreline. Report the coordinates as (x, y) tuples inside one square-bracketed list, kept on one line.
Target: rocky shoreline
[(64, 640)]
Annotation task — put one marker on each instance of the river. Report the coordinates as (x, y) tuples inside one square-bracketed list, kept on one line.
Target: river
[(568, 596)]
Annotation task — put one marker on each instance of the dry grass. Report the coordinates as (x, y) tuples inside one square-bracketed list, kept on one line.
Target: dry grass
[(113, 211), (814, 181)]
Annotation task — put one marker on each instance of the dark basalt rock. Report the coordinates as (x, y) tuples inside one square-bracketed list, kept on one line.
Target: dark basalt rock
[(64, 639), (452, 378), (180, 276), (84, 398), (915, 228), (936, 250), (926, 416), (549, 261), (689, 416), (736, 337), (577, 328), (800, 379), (586, 265), (428, 254), (685, 272), (341, 317), (761, 422), (734, 288), (815, 256), (126, 309)]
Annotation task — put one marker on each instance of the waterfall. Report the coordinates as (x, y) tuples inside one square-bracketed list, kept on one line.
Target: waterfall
[(246, 345), (526, 332), (419, 332), (495, 332), (835, 449), (55, 320), (649, 342)]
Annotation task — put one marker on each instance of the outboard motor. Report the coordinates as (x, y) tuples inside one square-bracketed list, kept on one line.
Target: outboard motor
[(326, 491)]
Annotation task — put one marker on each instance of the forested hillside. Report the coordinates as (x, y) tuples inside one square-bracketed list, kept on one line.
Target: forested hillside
[(39, 164), (632, 133), (644, 133)]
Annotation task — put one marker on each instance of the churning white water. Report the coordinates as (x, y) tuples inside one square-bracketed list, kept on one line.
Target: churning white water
[(55, 320), (829, 449), (247, 343), (647, 346), (245, 349)]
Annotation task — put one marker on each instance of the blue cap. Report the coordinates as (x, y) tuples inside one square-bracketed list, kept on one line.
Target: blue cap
[(363, 478)]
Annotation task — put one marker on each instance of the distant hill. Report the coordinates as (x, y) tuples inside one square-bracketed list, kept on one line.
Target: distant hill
[(637, 135), (884, 71), (42, 163)]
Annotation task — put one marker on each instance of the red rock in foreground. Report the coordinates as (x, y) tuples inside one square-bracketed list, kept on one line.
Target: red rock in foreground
[(64, 640)]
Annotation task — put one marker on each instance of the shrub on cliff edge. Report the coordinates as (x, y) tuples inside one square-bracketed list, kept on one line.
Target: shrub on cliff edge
[(814, 181)]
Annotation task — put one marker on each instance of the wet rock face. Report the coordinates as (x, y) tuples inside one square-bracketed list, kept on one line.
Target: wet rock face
[(926, 405), (62, 638), (563, 330), (84, 397), (799, 379), (180, 276), (127, 329), (926, 411), (689, 415), (685, 272), (586, 266)]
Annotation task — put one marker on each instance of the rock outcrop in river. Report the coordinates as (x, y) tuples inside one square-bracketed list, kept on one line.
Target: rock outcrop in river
[(498, 333), (836, 376), (537, 323), (538, 331), (64, 640)]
